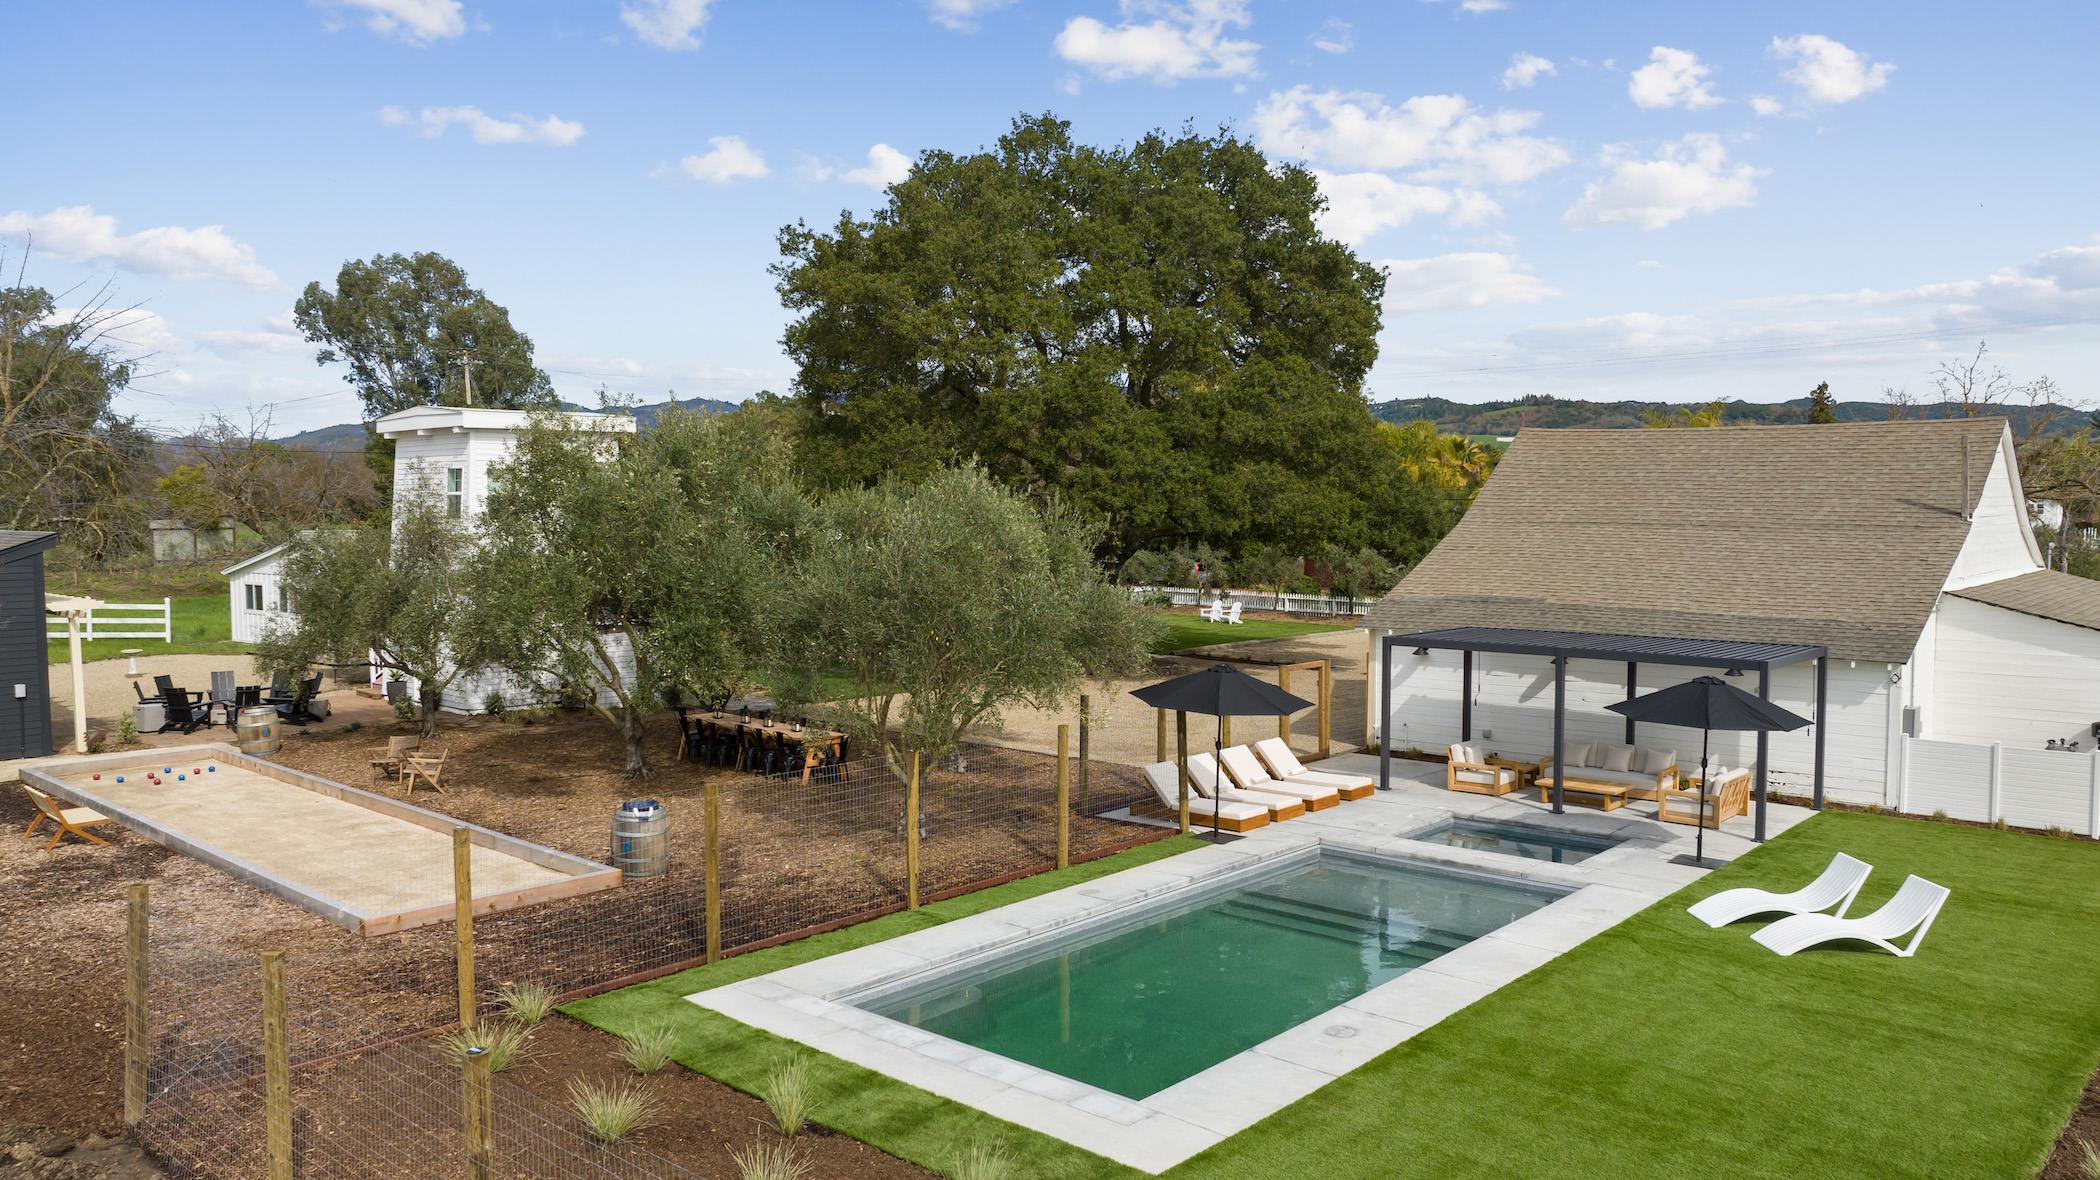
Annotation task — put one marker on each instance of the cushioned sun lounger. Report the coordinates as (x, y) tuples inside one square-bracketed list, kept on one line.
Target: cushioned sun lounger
[(1284, 764), (1838, 885), (1912, 909), (1203, 772), (1233, 817), (1247, 772)]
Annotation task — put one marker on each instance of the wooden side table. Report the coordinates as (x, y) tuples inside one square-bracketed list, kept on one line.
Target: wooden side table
[(1527, 770)]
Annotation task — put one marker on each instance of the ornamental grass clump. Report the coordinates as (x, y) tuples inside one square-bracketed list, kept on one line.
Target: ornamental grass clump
[(611, 1112), (649, 1049), (528, 1003), (983, 1161), (766, 1160), (788, 1094), (508, 1044)]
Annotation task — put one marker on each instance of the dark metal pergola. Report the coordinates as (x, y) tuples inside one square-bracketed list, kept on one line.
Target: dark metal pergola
[(1634, 650)]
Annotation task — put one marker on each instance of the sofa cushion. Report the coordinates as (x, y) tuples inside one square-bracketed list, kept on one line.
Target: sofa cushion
[(1597, 774), (1655, 761), (1617, 757), (1577, 752)]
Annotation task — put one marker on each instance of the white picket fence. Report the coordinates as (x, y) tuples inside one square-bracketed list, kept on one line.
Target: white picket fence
[(121, 620), (2027, 788), (1304, 604)]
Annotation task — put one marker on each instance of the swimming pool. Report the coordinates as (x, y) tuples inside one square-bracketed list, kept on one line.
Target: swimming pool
[(1514, 840), (1133, 1007)]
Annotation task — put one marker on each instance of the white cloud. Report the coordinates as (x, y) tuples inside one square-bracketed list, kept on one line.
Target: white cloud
[(1692, 175), (667, 24), (1828, 71), (1477, 6), (81, 234), (1649, 264), (140, 332), (2061, 282), (417, 22), (1184, 40), (961, 15), (1336, 36), (728, 160), (234, 343), (1442, 136), (1481, 279), (1524, 70), (886, 166), (1672, 78), (430, 122), (1361, 205), (1765, 104)]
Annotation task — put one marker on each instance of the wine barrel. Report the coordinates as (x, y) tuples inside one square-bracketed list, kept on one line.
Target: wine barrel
[(257, 730)]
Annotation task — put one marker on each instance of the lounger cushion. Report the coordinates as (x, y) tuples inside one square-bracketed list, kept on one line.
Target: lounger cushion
[(1616, 757)]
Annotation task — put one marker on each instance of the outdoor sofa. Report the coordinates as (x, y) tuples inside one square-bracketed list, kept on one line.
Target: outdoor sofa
[(1624, 772)]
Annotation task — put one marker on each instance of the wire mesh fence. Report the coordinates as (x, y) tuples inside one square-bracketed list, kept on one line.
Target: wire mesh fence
[(373, 1087)]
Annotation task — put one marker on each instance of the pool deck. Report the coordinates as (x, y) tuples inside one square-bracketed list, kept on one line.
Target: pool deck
[(807, 1004)]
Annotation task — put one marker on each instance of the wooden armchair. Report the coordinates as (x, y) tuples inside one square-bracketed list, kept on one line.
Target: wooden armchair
[(422, 764), (1471, 772), (396, 754), (1686, 804)]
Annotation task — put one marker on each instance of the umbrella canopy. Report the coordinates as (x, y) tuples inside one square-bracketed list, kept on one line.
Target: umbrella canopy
[(1708, 702), (1220, 690)]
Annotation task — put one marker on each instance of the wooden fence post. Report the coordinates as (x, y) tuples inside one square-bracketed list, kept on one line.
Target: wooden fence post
[(1086, 788), (1326, 698), (277, 1070), (1162, 751), (1283, 720), (137, 1048), (474, 1104), (1181, 747), (711, 820), (911, 835), (463, 922), (1064, 796)]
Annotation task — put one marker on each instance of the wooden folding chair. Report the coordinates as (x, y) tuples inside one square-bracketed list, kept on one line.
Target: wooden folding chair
[(422, 764), (68, 819), (397, 750)]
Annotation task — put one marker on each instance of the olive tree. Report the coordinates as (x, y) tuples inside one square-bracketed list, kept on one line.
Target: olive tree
[(619, 565), (918, 611), (392, 597)]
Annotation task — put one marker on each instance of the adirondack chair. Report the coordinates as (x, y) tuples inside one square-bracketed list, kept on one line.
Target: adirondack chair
[(223, 695), (422, 764), (184, 713), (69, 819), (1215, 612)]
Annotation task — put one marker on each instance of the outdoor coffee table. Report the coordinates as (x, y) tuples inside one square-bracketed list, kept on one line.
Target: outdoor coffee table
[(1611, 796)]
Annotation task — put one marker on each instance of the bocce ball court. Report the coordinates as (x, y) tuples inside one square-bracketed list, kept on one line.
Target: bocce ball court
[(366, 862)]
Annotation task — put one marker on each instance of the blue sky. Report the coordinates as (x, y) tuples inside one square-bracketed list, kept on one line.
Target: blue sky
[(1664, 201)]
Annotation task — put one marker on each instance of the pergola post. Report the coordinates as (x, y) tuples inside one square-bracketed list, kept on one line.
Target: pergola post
[(1633, 676), (1822, 690), (1764, 746), (1560, 728), (1385, 715), (1465, 698)]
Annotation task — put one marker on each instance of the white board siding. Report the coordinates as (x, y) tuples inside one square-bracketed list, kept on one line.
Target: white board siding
[(2000, 543), (1513, 701), (249, 626), (2009, 677)]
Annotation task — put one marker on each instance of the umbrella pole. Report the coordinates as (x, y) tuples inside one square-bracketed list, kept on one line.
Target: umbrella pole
[(1217, 778), (1699, 816)]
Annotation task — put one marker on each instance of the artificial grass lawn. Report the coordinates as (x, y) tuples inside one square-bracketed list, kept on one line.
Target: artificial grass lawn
[(1656, 1049), (202, 626), (1185, 631)]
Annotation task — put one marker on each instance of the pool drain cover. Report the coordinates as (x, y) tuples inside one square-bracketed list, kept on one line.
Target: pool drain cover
[(1340, 1030)]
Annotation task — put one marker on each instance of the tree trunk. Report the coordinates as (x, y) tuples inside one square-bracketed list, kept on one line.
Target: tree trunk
[(631, 729), (430, 698)]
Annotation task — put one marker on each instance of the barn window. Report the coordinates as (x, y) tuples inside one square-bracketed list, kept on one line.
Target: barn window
[(455, 491), (284, 599), (252, 596)]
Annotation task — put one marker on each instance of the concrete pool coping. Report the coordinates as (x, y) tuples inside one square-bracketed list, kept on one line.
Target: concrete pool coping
[(809, 1004), (413, 843)]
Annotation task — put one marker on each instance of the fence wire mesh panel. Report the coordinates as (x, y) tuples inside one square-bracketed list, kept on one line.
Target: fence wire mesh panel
[(375, 1087)]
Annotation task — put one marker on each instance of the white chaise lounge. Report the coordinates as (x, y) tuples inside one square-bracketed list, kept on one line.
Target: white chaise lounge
[(1283, 763), (1203, 771), (1249, 774), (1838, 885), (1232, 817), (1912, 909)]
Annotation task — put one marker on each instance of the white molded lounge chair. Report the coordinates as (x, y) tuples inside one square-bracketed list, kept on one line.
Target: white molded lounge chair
[(1203, 772), (1233, 817), (1913, 908), (1247, 772), (1283, 764), (1838, 885)]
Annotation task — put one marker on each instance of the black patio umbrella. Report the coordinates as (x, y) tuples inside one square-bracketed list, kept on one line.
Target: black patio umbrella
[(1222, 691), (1707, 703)]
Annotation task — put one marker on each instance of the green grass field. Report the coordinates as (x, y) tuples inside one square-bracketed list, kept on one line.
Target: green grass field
[(1659, 1049), (202, 626), (1185, 631)]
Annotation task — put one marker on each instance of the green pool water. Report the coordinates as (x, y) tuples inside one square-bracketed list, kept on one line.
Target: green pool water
[(1134, 1009)]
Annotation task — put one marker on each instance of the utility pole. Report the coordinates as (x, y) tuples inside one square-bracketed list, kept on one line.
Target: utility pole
[(466, 371)]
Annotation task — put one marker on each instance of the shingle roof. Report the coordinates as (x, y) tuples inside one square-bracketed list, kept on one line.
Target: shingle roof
[(1839, 535), (2048, 593), (27, 541)]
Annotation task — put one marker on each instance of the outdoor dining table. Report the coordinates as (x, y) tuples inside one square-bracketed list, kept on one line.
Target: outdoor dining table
[(814, 741)]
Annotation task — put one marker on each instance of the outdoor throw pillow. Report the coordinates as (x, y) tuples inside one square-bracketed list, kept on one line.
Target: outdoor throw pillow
[(1656, 761), (1577, 753), (1618, 757)]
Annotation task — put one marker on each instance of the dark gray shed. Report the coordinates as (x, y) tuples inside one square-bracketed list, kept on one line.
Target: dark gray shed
[(25, 685)]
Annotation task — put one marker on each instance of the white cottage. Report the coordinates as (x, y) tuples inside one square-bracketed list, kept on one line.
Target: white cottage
[(448, 448), (1960, 672)]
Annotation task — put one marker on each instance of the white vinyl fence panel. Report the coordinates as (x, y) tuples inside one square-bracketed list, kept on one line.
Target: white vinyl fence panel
[(121, 620), (1303, 604), (2025, 787)]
